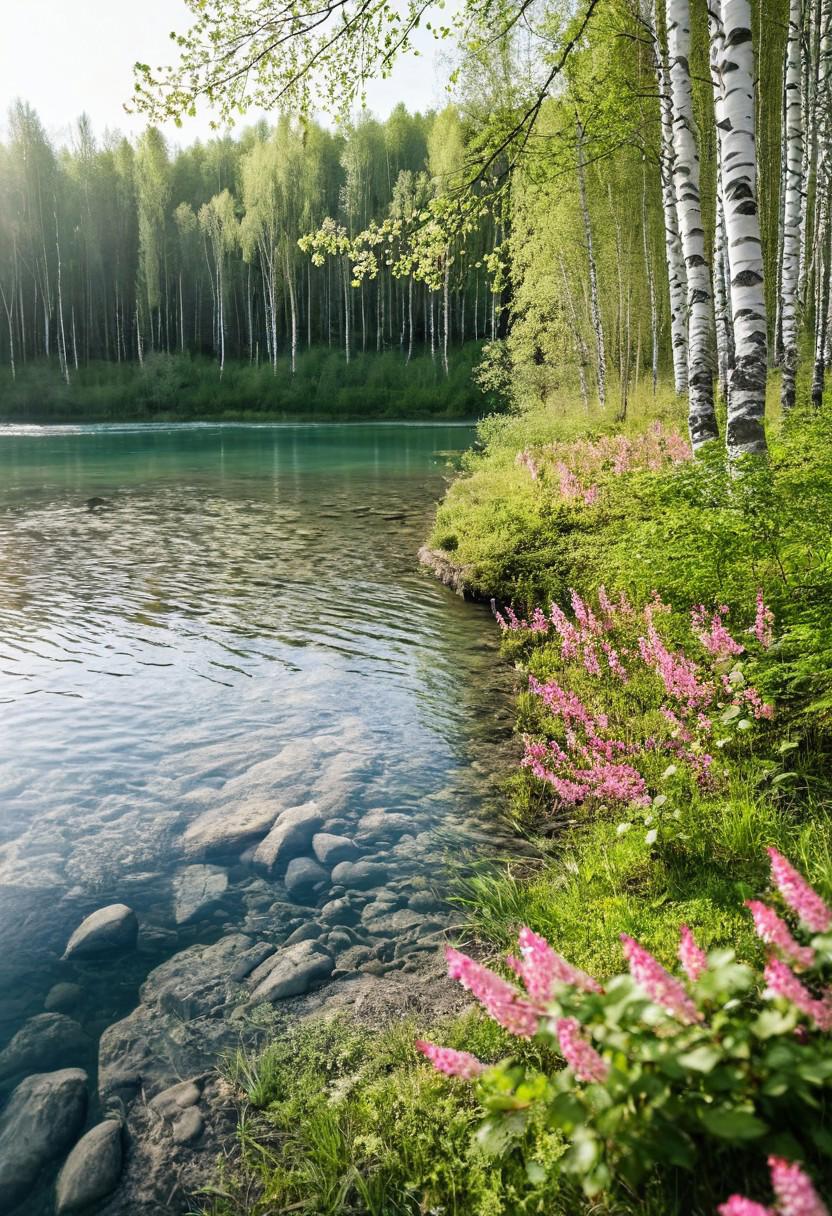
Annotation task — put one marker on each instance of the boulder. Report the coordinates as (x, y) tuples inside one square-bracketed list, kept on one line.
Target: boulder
[(46, 1041), (249, 959), (359, 875), (229, 828), (171, 1102), (109, 930), (304, 877), (62, 997), (291, 972), (290, 836), (330, 849), (389, 922), (309, 932), (92, 1169), (41, 1120), (383, 825), (189, 1126), (339, 912), (197, 890)]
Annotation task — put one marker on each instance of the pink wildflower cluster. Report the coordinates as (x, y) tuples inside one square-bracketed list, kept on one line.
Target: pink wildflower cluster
[(576, 466), (589, 761), (763, 628), (713, 633), (803, 900), (659, 985), (774, 931), (692, 957), (452, 1063), (793, 1189), (580, 1055), (541, 971), (782, 982)]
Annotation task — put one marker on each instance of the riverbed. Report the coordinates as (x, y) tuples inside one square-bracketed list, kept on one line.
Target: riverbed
[(207, 632)]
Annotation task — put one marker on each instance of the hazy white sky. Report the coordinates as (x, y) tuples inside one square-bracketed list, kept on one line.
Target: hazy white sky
[(67, 56)]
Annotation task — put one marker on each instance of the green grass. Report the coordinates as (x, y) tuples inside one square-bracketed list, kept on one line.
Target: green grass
[(185, 388), (363, 1126)]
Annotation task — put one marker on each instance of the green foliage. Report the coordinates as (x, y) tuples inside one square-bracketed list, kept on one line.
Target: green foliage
[(182, 388)]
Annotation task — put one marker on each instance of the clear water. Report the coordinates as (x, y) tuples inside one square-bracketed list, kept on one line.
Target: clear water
[(244, 621)]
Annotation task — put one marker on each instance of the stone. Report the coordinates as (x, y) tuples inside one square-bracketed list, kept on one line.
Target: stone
[(422, 901), (62, 997), (228, 828), (304, 877), (339, 912), (109, 930), (92, 1169), (382, 825), (41, 1120), (46, 1041), (291, 972), (290, 836), (189, 1126), (197, 890), (359, 875), (250, 959), (330, 849), (311, 931), (172, 1101)]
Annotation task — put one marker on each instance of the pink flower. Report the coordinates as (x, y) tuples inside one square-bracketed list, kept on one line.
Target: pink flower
[(763, 629), (775, 932), (801, 898), (692, 957), (795, 1194), (679, 675), (541, 968), (658, 984), (452, 1063), (737, 1205), (580, 1055), (714, 635), (781, 981), (539, 622), (499, 998)]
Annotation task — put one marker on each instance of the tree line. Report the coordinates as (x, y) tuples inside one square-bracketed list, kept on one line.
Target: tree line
[(112, 249)]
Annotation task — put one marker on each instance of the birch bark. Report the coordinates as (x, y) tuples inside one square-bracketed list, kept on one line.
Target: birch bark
[(745, 430), (700, 311), (594, 305), (794, 195)]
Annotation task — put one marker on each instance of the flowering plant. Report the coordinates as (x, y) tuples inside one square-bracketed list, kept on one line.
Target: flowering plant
[(657, 1063), (692, 699)]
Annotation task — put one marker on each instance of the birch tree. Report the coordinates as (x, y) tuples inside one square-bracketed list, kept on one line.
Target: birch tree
[(793, 200), (731, 31), (700, 313)]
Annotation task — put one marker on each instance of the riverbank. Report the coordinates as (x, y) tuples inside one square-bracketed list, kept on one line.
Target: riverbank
[(628, 537), (185, 388)]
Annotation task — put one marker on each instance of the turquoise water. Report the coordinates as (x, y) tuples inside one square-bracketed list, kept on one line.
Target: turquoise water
[(242, 623)]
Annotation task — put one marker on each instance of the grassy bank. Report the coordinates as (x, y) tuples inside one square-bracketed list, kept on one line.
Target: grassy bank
[(183, 388), (628, 537)]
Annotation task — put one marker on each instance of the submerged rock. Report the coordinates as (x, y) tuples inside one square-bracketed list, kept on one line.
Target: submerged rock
[(189, 1126), (304, 877), (41, 1120), (383, 825), (171, 1102), (92, 1169), (109, 930), (359, 875), (45, 1041), (62, 997), (229, 828), (290, 972), (290, 836), (196, 891), (330, 849)]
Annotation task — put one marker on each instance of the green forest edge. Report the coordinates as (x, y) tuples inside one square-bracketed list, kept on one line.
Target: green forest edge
[(186, 388), (339, 1118)]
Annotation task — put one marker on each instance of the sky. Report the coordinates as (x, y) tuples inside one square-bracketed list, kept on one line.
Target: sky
[(65, 58)]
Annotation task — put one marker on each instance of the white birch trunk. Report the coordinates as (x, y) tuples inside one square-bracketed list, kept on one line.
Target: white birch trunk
[(700, 313), (676, 273), (823, 224), (723, 320), (793, 197), (594, 305), (745, 430)]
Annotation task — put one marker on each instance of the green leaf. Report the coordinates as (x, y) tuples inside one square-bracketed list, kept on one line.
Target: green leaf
[(701, 1059), (652, 836), (732, 1123)]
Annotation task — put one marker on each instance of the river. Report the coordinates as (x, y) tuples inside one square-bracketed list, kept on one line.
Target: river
[(239, 628)]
